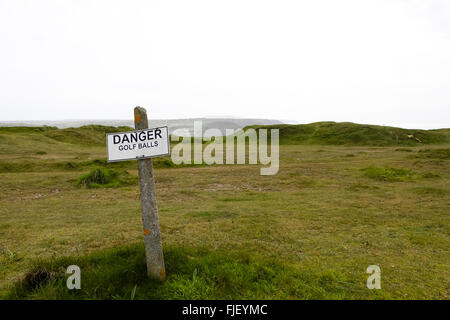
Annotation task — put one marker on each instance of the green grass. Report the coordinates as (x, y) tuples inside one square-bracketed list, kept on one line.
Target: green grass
[(4, 130), (98, 178), (86, 135), (434, 153), (323, 133), (427, 191), (347, 133), (192, 273), (387, 174), (37, 165), (308, 232)]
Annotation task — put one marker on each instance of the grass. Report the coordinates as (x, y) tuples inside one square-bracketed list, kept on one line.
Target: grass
[(98, 177), (308, 232), (86, 135), (193, 273), (437, 153), (347, 133), (387, 174), (37, 165)]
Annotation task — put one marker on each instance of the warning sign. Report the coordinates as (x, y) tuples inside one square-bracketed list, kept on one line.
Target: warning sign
[(139, 144)]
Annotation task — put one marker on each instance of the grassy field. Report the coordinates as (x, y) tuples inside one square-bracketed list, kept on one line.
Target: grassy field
[(308, 232)]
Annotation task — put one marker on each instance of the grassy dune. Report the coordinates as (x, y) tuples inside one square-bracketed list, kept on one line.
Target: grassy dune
[(308, 232), (347, 133)]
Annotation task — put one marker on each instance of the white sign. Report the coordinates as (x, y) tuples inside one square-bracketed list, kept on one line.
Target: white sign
[(133, 145)]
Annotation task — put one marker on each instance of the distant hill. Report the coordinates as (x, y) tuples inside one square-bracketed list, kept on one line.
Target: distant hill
[(322, 133), (179, 126), (348, 133)]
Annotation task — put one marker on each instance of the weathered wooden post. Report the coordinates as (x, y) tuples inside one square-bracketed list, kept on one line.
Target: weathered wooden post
[(141, 145), (150, 219)]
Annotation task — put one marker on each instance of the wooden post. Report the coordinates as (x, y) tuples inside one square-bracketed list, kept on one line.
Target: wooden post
[(150, 220)]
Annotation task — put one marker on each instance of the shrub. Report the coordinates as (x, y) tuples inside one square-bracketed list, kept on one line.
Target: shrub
[(106, 178)]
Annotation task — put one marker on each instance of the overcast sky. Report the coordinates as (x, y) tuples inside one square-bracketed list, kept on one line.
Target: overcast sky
[(379, 62)]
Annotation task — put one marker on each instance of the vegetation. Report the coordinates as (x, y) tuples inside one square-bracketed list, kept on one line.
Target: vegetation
[(347, 133), (387, 174), (106, 178), (120, 273), (87, 135), (308, 232), (434, 153)]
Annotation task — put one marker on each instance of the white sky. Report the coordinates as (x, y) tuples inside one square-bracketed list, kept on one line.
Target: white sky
[(381, 62)]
